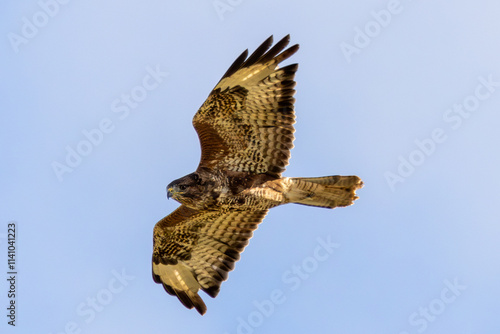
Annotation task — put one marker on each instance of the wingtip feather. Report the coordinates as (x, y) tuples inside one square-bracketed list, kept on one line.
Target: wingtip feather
[(264, 53)]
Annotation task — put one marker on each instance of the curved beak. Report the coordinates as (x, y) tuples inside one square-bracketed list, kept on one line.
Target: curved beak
[(170, 192)]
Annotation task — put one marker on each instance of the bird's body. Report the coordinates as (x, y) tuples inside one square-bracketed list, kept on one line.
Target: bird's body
[(214, 190), (246, 131)]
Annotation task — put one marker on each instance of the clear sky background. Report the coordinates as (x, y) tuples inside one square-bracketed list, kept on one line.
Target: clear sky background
[(405, 94)]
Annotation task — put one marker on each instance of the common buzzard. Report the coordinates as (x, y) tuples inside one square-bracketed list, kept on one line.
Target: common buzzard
[(246, 131)]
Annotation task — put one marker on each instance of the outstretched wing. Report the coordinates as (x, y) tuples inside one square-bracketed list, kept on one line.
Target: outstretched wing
[(196, 249), (246, 123)]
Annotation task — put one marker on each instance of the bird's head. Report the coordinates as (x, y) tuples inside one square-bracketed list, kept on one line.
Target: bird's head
[(186, 189)]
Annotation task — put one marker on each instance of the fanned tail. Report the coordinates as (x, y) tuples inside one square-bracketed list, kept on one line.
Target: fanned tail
[(327, 191)]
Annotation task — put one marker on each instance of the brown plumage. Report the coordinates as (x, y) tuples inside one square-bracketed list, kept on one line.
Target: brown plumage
[(246, 131)]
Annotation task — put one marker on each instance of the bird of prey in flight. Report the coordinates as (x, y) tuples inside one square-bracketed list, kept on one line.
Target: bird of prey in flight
[(245, 128)]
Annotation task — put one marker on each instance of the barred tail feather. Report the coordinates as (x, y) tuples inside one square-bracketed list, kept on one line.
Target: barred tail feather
[(326, 191)]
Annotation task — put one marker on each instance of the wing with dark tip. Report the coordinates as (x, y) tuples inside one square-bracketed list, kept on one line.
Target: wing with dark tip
[(195, 250), (246, 123)]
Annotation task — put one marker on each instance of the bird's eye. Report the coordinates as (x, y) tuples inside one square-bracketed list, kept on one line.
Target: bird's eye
[(182, 187)]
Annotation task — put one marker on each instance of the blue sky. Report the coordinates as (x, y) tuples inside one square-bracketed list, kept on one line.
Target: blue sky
[(404, 94)]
